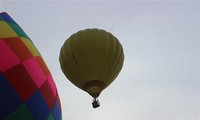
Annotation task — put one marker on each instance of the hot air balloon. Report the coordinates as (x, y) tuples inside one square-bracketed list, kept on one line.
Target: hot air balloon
[(91, 59), (27, 89)]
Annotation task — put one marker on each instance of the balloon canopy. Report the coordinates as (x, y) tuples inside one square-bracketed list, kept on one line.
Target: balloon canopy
[(27, 89), (91, 59)]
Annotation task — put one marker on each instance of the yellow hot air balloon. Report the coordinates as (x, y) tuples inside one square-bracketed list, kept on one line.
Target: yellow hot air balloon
[(91, 59)]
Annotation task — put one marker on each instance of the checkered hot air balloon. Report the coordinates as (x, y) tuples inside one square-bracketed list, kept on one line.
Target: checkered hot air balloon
[(27, 89)]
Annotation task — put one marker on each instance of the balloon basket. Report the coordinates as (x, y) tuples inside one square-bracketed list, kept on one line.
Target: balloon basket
[(95, 103)]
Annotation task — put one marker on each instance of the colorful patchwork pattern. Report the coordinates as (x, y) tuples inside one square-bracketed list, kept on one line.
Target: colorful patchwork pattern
[(27, 89)]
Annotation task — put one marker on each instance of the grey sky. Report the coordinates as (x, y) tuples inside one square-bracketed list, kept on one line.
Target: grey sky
[(160, 77)]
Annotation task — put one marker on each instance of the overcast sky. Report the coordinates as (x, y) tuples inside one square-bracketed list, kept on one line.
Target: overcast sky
[(160, 76)]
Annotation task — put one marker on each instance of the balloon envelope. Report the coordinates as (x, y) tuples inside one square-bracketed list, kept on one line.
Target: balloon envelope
[(91, 59), (27, 89)]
